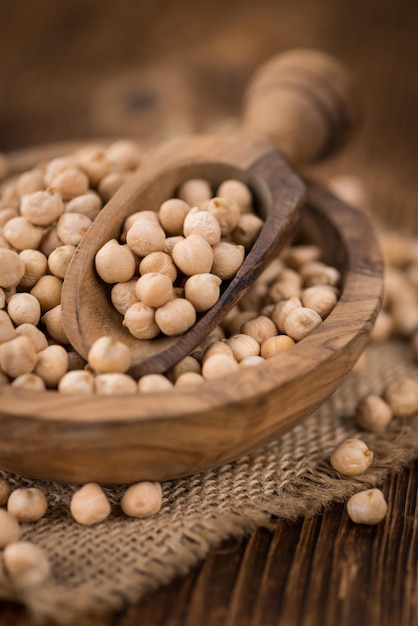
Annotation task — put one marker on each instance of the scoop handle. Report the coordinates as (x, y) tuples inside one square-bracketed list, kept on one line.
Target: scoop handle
[(304, 101)]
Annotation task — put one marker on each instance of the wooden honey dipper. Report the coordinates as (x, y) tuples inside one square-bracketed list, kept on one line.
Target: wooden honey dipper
[(301, 101)]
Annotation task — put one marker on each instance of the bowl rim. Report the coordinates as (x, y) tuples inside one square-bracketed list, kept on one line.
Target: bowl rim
[(164, 406)]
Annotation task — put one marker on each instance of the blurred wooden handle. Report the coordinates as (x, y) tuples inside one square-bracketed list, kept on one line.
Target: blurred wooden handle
[(304, 101)]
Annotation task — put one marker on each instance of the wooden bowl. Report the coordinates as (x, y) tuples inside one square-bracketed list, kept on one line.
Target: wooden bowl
[(162, 436)]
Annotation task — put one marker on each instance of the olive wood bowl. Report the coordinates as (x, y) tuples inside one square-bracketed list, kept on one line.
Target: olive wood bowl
[(161, 436)]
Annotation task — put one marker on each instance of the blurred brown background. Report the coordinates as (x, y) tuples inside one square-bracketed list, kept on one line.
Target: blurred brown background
[(84, 68)]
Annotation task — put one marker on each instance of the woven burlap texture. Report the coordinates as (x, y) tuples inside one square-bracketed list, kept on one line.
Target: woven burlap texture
[(103, 567)]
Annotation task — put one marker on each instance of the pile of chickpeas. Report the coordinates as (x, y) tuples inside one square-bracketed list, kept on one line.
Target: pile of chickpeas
[(166, 268), (170, 263)]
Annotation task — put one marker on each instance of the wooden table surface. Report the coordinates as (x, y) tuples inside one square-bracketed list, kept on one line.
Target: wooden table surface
[(84, 68)]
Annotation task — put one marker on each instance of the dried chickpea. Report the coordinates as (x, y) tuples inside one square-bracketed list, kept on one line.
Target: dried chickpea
[(141, 215), (318, 273), (9, 529), (89, 505), (56, 166), (6, 214), (193, 255), (123, 296), (227, 213), (218, 347), (9, 193), (89, 204), (36, 265), (7, 330), (33, 382), (300, 322), (154, 289), (282, 290), (297, 256), (109, 184), (170, 242), (114, 384), (114, 262), (172, 214), (401, 394), (234, 189), (218, 365), (260, 328), (51, 365), (47, 291), (271, 272), (76, 382), (243, 346), (404, 318), (247, 230), (71, 228), (186, 364), (202, 223), (4, 379), (53, 322), (139, 319), (188, 379), (195, 191), (36, 336), (2, 298), (145, 235), (26, 564), (351, 457), (281, 310), (30, 181), (373, 413), (320, 298), (275, 345), (251, 361), (227, 259), (42, 207), (107, 354), (59, 260), (70, 183), (367, 507), (50, 240), (27, 504), (175, 317), (124, 154), (24, 308), (3, 243), (5, 491), (152, 383), (142, 499), (94, 163), (159, 262), (202, 290), (17, 357), (22, 234)]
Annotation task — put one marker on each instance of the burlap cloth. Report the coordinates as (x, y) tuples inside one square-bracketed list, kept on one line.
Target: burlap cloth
[(102, 567)]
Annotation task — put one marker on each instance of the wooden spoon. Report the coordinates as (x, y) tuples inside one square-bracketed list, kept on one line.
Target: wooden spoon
[(278, 193)]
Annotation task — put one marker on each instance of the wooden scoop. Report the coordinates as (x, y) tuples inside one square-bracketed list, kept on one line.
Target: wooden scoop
[(278, 194)]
